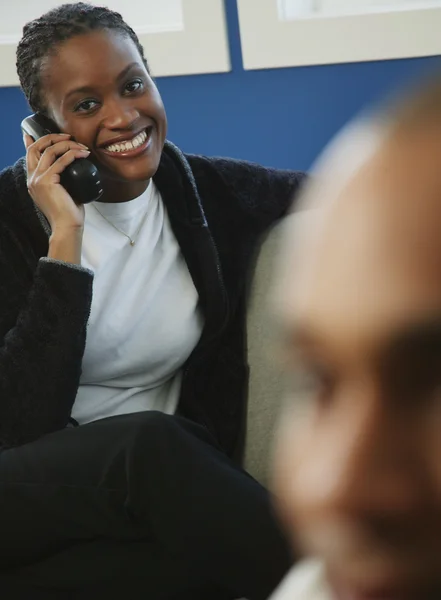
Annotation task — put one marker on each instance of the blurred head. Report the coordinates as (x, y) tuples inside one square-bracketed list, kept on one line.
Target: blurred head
[(84, 67), (358, 456)]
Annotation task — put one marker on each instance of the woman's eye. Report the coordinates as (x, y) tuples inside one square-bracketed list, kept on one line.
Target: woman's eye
[(85, 106), (134, 86)]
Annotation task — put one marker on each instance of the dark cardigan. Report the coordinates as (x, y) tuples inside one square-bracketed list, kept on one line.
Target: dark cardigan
[(219, 209)]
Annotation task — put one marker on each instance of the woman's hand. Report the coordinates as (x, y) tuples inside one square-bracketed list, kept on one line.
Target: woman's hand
[(46, 159)]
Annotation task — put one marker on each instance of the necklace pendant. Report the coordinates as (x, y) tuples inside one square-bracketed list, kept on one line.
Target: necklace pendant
[(132, 242)]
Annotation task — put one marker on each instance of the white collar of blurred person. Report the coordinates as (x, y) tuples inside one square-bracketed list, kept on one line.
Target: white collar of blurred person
[(305, 581)]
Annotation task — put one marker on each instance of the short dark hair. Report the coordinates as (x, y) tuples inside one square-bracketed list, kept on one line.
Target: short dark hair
[(41, 37)]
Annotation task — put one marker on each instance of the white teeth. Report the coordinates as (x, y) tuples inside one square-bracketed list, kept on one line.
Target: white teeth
[(129, 145)]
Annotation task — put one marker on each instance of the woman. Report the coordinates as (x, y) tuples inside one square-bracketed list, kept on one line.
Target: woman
[(128, 434)]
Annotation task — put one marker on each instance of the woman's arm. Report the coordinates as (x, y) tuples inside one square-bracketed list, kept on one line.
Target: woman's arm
[(42, 338)]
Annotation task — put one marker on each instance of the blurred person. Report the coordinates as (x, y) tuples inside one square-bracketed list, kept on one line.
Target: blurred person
[(358, 452), (123, 370)]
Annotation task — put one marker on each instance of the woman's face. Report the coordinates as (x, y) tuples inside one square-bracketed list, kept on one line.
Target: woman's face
[(97, 88)]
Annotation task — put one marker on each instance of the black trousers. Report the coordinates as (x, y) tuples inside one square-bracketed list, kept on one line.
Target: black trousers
[(155, 486)]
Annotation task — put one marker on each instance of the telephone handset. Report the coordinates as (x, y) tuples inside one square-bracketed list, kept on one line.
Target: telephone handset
[(81, 179)]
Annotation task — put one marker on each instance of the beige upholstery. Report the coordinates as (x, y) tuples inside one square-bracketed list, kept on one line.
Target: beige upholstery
[(265, 390), (266, 381)]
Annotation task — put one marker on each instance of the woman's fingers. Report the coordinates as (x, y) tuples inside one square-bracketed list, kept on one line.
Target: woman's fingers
[(27, 140), (47, 158), (66, 159), (53, 154), (34, 150)]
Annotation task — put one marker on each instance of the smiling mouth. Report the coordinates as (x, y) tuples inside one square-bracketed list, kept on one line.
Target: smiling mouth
[(130, 145)]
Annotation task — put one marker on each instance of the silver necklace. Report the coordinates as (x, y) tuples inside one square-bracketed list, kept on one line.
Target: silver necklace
[(131, 239)]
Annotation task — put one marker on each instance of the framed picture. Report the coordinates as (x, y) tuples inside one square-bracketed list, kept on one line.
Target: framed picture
[(285, 33), (180, 37)]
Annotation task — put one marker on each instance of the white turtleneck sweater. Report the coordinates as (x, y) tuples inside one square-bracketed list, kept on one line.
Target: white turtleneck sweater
[(144, 320)]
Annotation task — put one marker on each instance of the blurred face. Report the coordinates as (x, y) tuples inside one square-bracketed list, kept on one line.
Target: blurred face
[(97, 88), (358, 458)]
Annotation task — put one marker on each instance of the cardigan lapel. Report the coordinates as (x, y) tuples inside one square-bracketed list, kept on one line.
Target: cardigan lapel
[(178, 189)]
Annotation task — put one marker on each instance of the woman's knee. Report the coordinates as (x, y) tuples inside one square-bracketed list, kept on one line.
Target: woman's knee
[(151, 428), (156, 437)]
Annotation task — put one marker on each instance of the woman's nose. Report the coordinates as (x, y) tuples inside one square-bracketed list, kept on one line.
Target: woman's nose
[(119, 114)]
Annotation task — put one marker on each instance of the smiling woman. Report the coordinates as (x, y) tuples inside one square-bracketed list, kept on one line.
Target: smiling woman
[(99, 84), (122, 337)]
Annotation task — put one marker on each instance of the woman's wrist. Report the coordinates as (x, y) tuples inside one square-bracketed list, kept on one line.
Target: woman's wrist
[(65, 244)]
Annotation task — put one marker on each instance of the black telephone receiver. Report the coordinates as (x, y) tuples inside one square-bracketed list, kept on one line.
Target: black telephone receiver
[(81, 179)]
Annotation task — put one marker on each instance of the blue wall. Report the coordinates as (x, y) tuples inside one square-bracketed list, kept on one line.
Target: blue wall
[(280, 117)]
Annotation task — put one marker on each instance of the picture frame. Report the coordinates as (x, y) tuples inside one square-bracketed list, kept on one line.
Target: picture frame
[(270, 41), (199, 46)]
